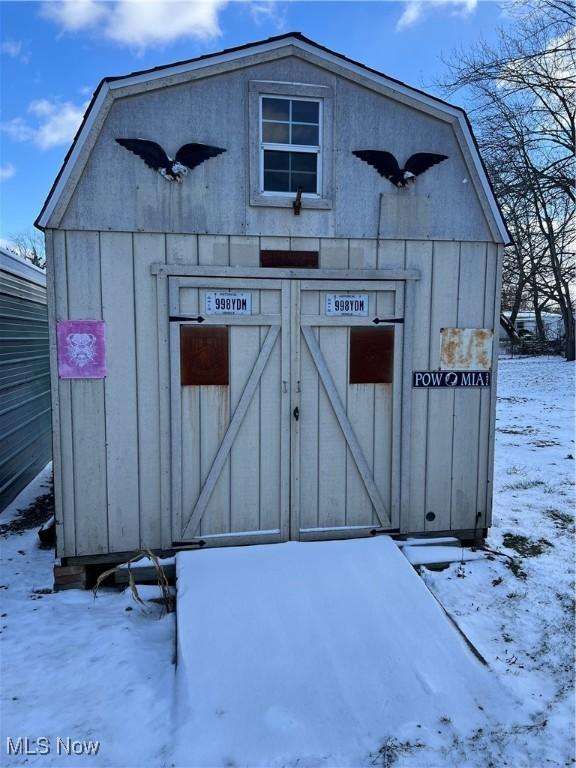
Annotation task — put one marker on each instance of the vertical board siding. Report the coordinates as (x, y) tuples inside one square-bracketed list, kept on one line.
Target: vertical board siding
[(244, 487), (333, 253), (471, 292), (309, 427), (444, 314), (362, 254), (214, 250), (61, 543), (148, 250), (332, 446), (88, 406), (391, 254), (496, 253), (486, 394), (63, 457), (180, 249), (121, 391), (270, 409), (113, 468), (361, 412), (418, 256), (244, 251)]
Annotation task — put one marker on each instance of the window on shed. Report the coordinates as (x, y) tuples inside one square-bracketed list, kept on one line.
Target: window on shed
[(290, 149)]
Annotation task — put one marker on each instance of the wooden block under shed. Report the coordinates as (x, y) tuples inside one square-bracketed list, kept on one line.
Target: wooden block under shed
[(70, 577)]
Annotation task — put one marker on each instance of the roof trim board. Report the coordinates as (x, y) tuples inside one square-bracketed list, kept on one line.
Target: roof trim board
[(294, 42)]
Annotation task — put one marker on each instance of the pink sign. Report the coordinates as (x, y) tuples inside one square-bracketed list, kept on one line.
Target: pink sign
[(81, 349)]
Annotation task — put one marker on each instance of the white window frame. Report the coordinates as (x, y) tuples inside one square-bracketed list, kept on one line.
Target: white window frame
[(303, 148), (323, 199)]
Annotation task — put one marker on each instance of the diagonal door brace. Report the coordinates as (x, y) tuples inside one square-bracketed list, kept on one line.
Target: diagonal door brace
[(346, 427), (231, 433)]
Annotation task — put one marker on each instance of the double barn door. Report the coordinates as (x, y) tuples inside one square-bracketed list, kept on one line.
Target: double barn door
[(285, 408)]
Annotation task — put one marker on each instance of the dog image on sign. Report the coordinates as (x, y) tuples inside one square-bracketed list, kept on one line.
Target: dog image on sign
[(81, 349)]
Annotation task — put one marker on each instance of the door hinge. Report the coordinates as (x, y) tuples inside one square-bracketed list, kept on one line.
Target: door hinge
[(184, 319), (296, 413)]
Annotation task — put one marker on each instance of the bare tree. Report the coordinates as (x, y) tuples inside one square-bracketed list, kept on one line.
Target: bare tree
[(29, 246), (520, 97)]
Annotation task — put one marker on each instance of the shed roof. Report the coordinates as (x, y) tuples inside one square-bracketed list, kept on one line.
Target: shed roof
[(112, 87), (11, 262)]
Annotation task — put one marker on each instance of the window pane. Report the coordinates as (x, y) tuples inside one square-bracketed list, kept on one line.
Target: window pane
[(305, 111), (276, 181), (305, 134), (303, 161), (276, 109), (277, 133), (305, 180), (276, 161)]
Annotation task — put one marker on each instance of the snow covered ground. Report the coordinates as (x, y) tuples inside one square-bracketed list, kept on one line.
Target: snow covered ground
[(102, 670)]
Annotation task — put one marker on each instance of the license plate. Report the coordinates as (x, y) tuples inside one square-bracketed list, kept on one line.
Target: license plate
[(221, 303), (347, 304)]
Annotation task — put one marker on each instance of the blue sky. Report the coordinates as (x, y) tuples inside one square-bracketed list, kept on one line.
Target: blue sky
[(53, 54)]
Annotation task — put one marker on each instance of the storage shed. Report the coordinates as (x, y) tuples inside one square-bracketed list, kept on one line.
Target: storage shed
[(285, 331), (25, 425)]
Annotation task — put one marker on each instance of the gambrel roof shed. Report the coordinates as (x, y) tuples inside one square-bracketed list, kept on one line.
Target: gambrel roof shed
[(259, 262), (292, 44)]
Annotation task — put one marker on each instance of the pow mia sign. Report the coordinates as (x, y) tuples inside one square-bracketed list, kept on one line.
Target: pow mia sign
[(450, 379)]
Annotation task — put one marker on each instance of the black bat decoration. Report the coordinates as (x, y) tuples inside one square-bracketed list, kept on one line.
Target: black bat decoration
[(187, 158), (387, 165)]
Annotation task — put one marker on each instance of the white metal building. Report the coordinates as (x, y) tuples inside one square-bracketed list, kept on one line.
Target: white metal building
[(260, 379)]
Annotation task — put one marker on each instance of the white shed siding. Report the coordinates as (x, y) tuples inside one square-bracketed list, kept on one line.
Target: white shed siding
[(213, 199), (111, 488)]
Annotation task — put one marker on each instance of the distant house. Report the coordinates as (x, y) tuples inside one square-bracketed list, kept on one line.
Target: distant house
[(526, 325), (25, 412)]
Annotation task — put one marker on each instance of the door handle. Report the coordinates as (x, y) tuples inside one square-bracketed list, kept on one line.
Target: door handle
[(296, 413)]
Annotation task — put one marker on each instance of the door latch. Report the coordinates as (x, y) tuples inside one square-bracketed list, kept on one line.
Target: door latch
[(296, 413)]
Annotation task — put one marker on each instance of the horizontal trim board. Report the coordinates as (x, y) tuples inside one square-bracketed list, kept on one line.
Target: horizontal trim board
[(183, 270)]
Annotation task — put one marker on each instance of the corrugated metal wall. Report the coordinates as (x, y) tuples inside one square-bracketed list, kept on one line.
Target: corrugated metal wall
[(25, 413)]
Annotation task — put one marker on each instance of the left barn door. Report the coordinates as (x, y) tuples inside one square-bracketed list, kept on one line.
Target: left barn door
[(230, 408)]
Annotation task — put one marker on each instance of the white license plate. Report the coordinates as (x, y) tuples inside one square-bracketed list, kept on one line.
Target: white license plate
[(347, 304), (222, 303)]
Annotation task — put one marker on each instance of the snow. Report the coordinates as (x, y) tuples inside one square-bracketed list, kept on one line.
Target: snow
[(338, 645), (446, 540), (438, 554), (86, 669)]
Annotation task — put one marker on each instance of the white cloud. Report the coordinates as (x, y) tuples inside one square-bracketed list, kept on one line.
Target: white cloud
[(11, 48), (14, 49), (18, 130), (139, 23), (56, 123), (7, 171), (416, 10), (73, 15), (263, 11)]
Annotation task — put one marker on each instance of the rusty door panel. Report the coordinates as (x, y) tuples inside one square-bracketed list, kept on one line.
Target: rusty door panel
[(371, 355), (465, 349), (292, 259), (203, 355)]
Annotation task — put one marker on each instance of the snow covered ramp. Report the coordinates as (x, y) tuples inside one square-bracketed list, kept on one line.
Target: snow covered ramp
[(316, 654)]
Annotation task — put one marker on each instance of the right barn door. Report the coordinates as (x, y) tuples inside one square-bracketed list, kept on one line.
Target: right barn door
[(347, 362)]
